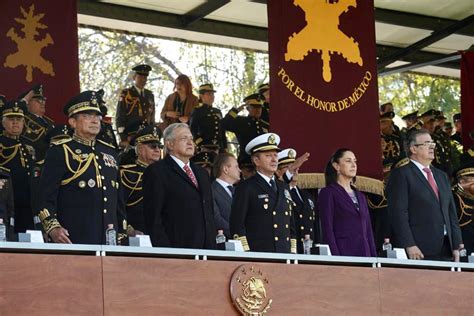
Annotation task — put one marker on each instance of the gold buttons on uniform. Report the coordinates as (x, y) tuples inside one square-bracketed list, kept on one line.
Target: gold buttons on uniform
[(275, 226), (286, 226), (286, 213), (287, 238), (105, 199), (302, 227), (105, 188), (105, 210), (276, 238), (301, 215), (274, 213)]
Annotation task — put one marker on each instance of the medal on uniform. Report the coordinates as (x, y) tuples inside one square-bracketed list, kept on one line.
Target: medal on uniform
[(82, 184), (287, 195), (91, 183), (109, 160), (311, 204), (78, 151)]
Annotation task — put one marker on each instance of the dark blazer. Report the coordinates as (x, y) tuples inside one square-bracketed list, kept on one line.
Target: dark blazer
[(417, 216), (261, 218), (346, 229), (177, 214), (222, 206)]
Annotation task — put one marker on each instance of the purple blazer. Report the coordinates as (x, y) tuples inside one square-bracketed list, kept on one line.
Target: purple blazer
[(346, 230)]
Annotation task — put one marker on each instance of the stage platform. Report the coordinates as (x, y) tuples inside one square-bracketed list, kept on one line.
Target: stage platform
[(53, 279)]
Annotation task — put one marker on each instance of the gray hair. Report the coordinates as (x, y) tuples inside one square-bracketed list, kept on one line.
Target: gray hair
[(411, 139), (168, 133)]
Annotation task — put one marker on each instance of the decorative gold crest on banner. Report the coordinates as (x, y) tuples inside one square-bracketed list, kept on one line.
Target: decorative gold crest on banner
[(322, 34), (29, 49), (250, 291)]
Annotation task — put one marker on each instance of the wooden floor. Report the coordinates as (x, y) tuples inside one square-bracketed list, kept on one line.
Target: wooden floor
[(37, 284)]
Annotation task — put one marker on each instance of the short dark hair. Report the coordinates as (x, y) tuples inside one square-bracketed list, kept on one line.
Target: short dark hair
[(330, 173), (383, 107), (219, 162), (411, 139)]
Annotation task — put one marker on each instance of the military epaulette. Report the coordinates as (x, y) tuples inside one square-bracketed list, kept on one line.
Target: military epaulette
[(48, 119), (4, 169), (401, 163), (128, 166), (61, 141), (233, 112), (41, 162), (105, 143)]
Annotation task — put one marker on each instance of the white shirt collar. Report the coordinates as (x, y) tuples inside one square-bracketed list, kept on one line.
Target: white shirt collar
[(180, 163), (138, 89), (266, 178), (419, 165), (223, 183)]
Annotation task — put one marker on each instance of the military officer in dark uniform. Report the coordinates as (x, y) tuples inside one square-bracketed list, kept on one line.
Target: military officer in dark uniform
[(410, 119), (264, 93), (458, 128), (444, 151), (148, 148), (261, 214), (37, 124), (17, 157), (79, 186), (463, 193), (107, 133), (304, 212), (7, 208), (205, 159), (136, 104), (205, 122), (248, 127), (392, 146)]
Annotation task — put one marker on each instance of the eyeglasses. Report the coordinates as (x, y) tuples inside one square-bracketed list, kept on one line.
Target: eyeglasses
[(153, 146), (91, 116), (427, 144)]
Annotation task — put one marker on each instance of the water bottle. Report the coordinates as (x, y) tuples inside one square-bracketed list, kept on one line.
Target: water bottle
[(220, 238), (307, 245), (3, 231), (386, 244), (111, 236)]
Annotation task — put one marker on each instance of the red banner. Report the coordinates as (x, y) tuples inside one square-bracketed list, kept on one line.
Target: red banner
[(38, 44), (324, 80), (467, 98)]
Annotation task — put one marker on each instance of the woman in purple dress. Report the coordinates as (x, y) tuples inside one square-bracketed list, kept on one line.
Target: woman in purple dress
[(345, 220)]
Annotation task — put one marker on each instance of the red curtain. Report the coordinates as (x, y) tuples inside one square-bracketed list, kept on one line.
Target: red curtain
[(38, 44), (467, 98), (323, 80)]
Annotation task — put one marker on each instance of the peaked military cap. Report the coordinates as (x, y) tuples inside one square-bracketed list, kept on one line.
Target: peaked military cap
[(59, 132), (264, 142), (456, 117), (14, 108), (263, 87), (207, 87), (387, 116), (148, 134), (467, 164), (142, 69), (85, 101), (286, 156), (253, 99), (38, 92), (410, 116), (430, 112)]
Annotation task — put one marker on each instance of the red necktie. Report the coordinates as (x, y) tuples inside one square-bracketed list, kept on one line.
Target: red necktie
[(190, 175), (431, 181)]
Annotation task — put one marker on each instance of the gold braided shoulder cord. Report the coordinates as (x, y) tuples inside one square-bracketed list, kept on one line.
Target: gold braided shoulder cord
[(125, 181), (8, 157), (464, 206), (83, 165)]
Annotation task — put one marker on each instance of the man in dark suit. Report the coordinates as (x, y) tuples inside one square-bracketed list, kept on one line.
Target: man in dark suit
[(178, 205), (227, 173), (261, 215), (421, 206)]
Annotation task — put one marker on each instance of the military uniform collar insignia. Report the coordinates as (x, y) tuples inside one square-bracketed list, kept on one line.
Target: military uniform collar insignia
[(83, 141), (141, 163)]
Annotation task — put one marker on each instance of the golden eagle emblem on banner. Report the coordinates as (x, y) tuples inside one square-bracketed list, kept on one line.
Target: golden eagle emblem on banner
[(29, 48), (322, 34)]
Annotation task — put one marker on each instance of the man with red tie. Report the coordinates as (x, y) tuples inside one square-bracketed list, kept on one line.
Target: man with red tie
[(421, 206), (178, 204)]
